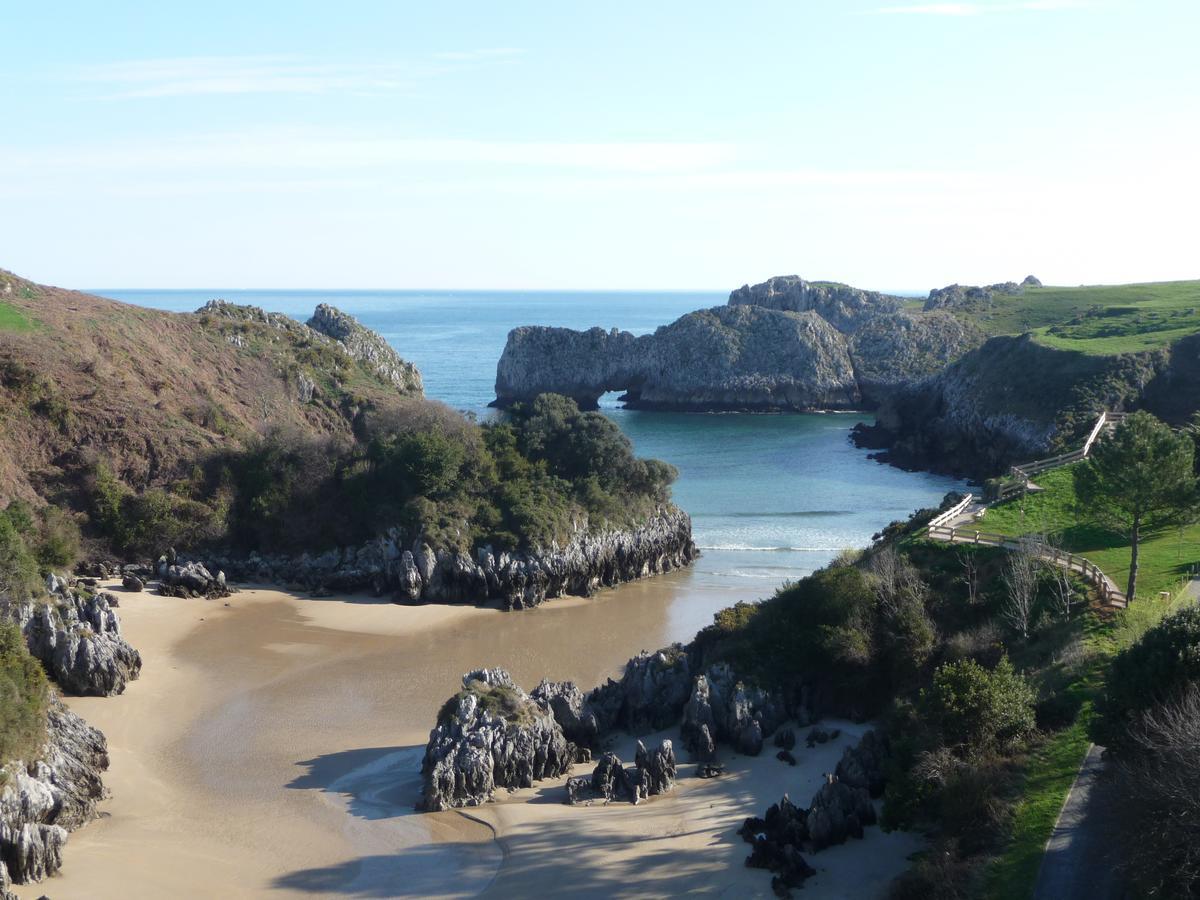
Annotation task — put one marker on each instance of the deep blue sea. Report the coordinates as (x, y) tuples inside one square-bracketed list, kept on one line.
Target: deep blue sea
[(772, 497)]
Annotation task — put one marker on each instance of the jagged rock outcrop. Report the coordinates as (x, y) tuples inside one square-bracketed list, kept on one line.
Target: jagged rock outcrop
[(785, 344), (653, 773), (180, 578), (838, 812), (776, 842), (42, 800), (491, 735), (968, 296), (367, 347), (841, 305), (328, 326), (571, 710), (650, 694), (76, 635), (862, 766), (723, 708), (416, 572)]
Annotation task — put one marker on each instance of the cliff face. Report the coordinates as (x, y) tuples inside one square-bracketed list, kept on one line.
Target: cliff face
[(420, 573), (1013, 399), (44, 799), (785, 344)]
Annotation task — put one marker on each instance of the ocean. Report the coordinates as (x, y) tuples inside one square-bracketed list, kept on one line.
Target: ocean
[(772, 497)]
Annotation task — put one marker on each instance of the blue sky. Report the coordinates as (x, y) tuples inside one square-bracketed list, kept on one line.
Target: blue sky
[(617, 145)]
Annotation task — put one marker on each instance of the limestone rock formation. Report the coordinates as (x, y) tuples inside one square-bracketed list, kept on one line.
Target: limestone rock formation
[(653, 773), (785, 344), (367, 347), (862, 766), (189, 579), (650, 694), (44, 799), (491, 735), (571, 710), (520, 580), (77, 636), (723, 708), (838, 812), (776, 843)]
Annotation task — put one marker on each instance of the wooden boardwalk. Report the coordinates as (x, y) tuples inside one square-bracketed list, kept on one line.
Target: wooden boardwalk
[(956, 525)]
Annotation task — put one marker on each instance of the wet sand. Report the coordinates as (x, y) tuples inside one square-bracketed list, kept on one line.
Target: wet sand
[(272, 747)]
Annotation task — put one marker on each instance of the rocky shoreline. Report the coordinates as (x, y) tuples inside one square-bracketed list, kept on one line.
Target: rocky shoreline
[(417, 573)]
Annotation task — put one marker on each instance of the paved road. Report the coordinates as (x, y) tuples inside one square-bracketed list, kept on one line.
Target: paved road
[(1078, 864), (1193, 590)]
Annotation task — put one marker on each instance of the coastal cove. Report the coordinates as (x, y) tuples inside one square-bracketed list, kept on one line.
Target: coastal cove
[(771, 497)]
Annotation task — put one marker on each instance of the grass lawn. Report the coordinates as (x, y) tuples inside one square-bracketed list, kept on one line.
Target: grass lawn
[(12, 319), (1098, 319), (1166, 556)]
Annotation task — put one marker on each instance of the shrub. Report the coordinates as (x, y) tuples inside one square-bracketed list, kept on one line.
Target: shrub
[(1159, 666), (974, 710), (18, 567), (24, 697), (1158, 784)]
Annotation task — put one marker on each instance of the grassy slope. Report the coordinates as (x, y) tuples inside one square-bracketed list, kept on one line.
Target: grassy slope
[(13, 319), (1052, 768), (1098, 319), (1166, 556)]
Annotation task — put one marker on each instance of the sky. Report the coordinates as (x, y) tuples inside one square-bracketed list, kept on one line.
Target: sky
[(564, 145)]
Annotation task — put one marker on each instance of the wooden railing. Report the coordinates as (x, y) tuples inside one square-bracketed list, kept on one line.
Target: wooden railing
[(1072, 562), (939, 530)]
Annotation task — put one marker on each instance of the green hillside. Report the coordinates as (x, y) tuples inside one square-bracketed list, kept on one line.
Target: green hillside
[(1098, 319)]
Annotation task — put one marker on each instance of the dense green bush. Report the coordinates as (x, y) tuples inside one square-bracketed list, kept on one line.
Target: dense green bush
[(421, 468), (23, 697), (974, 711), (1152, 671), (32, 543)]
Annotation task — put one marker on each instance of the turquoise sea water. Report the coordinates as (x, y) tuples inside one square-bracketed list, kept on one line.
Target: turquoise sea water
[(772, 497)]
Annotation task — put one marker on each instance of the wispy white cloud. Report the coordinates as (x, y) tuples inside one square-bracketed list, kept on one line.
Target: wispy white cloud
[(272, 151), (225, 75), (979, 9)]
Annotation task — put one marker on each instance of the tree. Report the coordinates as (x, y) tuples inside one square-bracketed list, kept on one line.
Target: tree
[(1141, 478), (1020, 581), (975, 710)]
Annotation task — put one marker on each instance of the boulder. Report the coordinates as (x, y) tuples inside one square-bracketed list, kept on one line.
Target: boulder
[(571, 710), (491, 735)]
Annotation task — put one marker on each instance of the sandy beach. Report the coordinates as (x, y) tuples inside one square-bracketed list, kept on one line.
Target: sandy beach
[(272, 747)]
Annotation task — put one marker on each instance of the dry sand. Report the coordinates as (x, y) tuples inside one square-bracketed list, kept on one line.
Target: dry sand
[(272, 747)]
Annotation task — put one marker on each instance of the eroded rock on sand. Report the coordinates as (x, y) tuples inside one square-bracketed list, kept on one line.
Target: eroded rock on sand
[(491, 735), (650, 694), (862, 765), (180, 578), (722, 708), (413, 571), (43, 800), (76, 634), (653, 773)]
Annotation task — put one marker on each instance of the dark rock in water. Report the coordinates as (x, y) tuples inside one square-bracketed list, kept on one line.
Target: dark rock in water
[(133, 583), (838, 811), (785, 756), (571, 710), (785, 738), (490, 735), (41, 801), (863, 765), (77, 637), (649, 696)]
